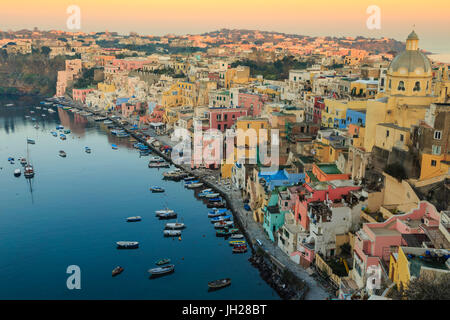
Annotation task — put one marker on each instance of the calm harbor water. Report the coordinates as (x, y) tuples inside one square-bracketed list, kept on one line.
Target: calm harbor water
[(73, 211)]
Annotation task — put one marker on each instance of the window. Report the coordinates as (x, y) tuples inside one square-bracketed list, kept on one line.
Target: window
[(436, 150), (248, 125), (390, 82), (437, 135), (433, 163), (387, 133), (417, 86), (401, 137), (225, 117), (401, 86), (218, 127)]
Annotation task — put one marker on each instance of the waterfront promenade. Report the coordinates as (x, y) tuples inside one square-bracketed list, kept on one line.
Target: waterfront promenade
[(252, 230)]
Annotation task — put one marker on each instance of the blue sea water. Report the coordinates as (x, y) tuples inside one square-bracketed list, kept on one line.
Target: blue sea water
[(73, 211)]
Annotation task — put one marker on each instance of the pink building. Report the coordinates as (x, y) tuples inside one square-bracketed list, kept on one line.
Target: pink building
[(130, 64), (72, 70), (223, 118), (80, 94), (252, 102), (318, 191), (129, 109), (375, 242)]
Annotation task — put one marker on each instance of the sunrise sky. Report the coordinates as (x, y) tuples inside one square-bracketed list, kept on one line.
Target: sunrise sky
[(312, 17)]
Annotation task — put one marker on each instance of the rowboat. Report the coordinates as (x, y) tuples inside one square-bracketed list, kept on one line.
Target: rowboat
[(216, 205), (134, 219), (62, 153), (168, 215), (234, 231), (221, 218), (212, 195), (162, 270), (127, 244), (17, 173), (175, 225), (31, 141), (87, 149), (237, 236), (215, 199), (156, 189), (54, 133), (222, 224), (222, 233), (160, 262), (172, 233), (117, 270), (165, 211), (23, 161), (213, 214), (62, 136), (159, 164), (189, 178), (241, 249), (114, 147), (217, 284), (194, 185), (236, 242)]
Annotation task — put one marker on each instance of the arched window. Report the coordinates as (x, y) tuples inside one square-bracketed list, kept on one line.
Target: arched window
[(401, 86), (390, 83), (417, 86)]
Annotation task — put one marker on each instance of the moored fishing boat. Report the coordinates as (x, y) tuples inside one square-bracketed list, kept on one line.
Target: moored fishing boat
[(240, 249), (215, 214), (162, 270), (223, 224), (221, 218), (168, 215), (155, 189), (31, 141), (217, 199), (23, 161), (87, 149), (127, 244), (222, 233), (175, 225), (17, 173), (172, 233), (114, 147), (237, 236), (216, 205), (62, 153), (117, 270), (161, 262), (233, 230), (212, 195), (194, 185), (54, 133), (237, 242), (164, 211), (221, 283), (62, 136), (134, 219)]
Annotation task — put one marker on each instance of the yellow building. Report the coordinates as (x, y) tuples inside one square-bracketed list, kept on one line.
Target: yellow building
[(105, 87), (246, 143), (238, 75), (389, 135), (180, 94), (334, 114), (407, 263), (364, 88)]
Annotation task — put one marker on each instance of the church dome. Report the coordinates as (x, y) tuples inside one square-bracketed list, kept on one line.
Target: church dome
[(411, 60)]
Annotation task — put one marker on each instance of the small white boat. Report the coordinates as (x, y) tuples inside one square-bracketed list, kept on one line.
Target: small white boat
[(194, 185), (175, 225), (237, 236), (62, 153), (17, 173), (163, 212), (162, 270), (134, 219), (212, 195), (127, 244), (172, 233)]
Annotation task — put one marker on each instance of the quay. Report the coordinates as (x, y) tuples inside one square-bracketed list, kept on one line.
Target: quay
[(312, 288)]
